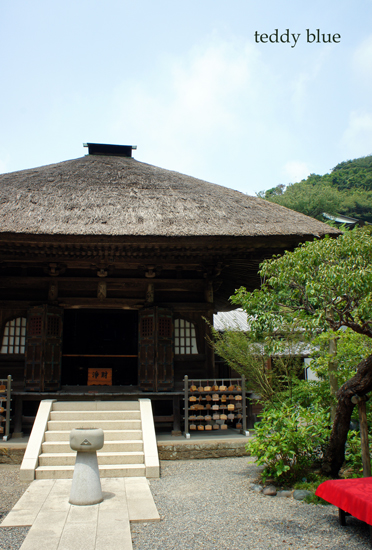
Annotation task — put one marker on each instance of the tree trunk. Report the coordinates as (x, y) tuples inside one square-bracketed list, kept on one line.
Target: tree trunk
[(360, 385), (332, 371)]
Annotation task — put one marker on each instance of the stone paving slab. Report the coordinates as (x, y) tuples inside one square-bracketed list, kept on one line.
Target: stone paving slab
[(25, 511), (141, 507), (58, 525)]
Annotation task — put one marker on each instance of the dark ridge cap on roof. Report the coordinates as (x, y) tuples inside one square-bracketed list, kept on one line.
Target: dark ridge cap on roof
[(112, 195)]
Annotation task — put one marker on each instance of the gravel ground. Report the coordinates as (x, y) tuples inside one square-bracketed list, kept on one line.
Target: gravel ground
[(11, 490), (207, 504)]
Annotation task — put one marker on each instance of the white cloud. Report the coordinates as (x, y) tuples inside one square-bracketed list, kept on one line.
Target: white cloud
[(362, 59), (303, 82), (198, 106), (357, 138), (296, 170), (224, 112), (204, 89)]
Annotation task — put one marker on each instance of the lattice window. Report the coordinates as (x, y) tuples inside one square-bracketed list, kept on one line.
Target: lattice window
[(165, 328), (147, 327), (53, 325), (35, 325), (184, 338), (14, 337)]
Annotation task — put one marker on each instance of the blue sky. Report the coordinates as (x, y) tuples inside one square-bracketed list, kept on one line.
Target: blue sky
[(187, 83)]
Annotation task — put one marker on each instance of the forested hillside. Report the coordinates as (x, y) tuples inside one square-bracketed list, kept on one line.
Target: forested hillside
[(346, 190)]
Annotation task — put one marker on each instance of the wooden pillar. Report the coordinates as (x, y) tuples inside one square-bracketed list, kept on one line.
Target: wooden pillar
[(209, 351), (176, 416), (18, 406), (53, 291), (366, 459), (150, 293), (208, 292), (250, 419)]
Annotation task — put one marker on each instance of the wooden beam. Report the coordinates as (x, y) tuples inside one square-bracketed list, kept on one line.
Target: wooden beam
[(84, 355), (18, 304), (178, 285), (95, 303), (199, 307), (142, 241)]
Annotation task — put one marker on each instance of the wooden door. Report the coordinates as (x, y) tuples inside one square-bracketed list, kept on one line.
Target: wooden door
[(34, 348), (146, 351), (43, 348), (156, 372), (164, 350)]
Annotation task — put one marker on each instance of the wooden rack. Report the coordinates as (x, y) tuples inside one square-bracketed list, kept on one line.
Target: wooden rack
[(5, 399), (215, 405)]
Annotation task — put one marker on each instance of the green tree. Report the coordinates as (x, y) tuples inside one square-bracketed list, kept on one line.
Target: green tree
[(351, 349), (321, 284), (312, 200), (353, 174), (346, 190), (250, 354)]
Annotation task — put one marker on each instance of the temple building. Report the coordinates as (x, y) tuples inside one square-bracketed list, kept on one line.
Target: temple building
[(109, 270)]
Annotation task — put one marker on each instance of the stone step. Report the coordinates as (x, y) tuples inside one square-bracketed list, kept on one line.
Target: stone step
[(95, 405), (108, 470), (110, 435), (104, 458), (95, 415), (128, 432), (60, 425), (128, 445)]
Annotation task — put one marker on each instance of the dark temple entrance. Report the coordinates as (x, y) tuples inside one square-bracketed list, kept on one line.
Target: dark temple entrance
[(100, 339)]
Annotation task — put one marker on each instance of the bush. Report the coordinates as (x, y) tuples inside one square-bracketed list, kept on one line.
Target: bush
[(353, 466), (289, 440)]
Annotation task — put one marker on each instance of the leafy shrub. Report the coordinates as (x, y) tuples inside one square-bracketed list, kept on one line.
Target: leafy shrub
[(353, 466), (307, 393), (289, 440)]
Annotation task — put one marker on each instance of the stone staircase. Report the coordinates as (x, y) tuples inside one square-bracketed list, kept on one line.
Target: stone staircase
[(123, 453)]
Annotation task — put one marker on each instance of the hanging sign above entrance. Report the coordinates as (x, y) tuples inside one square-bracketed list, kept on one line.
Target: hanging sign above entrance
[(99, 377)]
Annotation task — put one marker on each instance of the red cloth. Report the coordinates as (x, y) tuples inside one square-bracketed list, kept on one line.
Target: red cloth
[(351, 495)]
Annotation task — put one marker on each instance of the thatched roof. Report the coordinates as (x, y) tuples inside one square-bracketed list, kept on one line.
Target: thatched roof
[(111, 195)]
